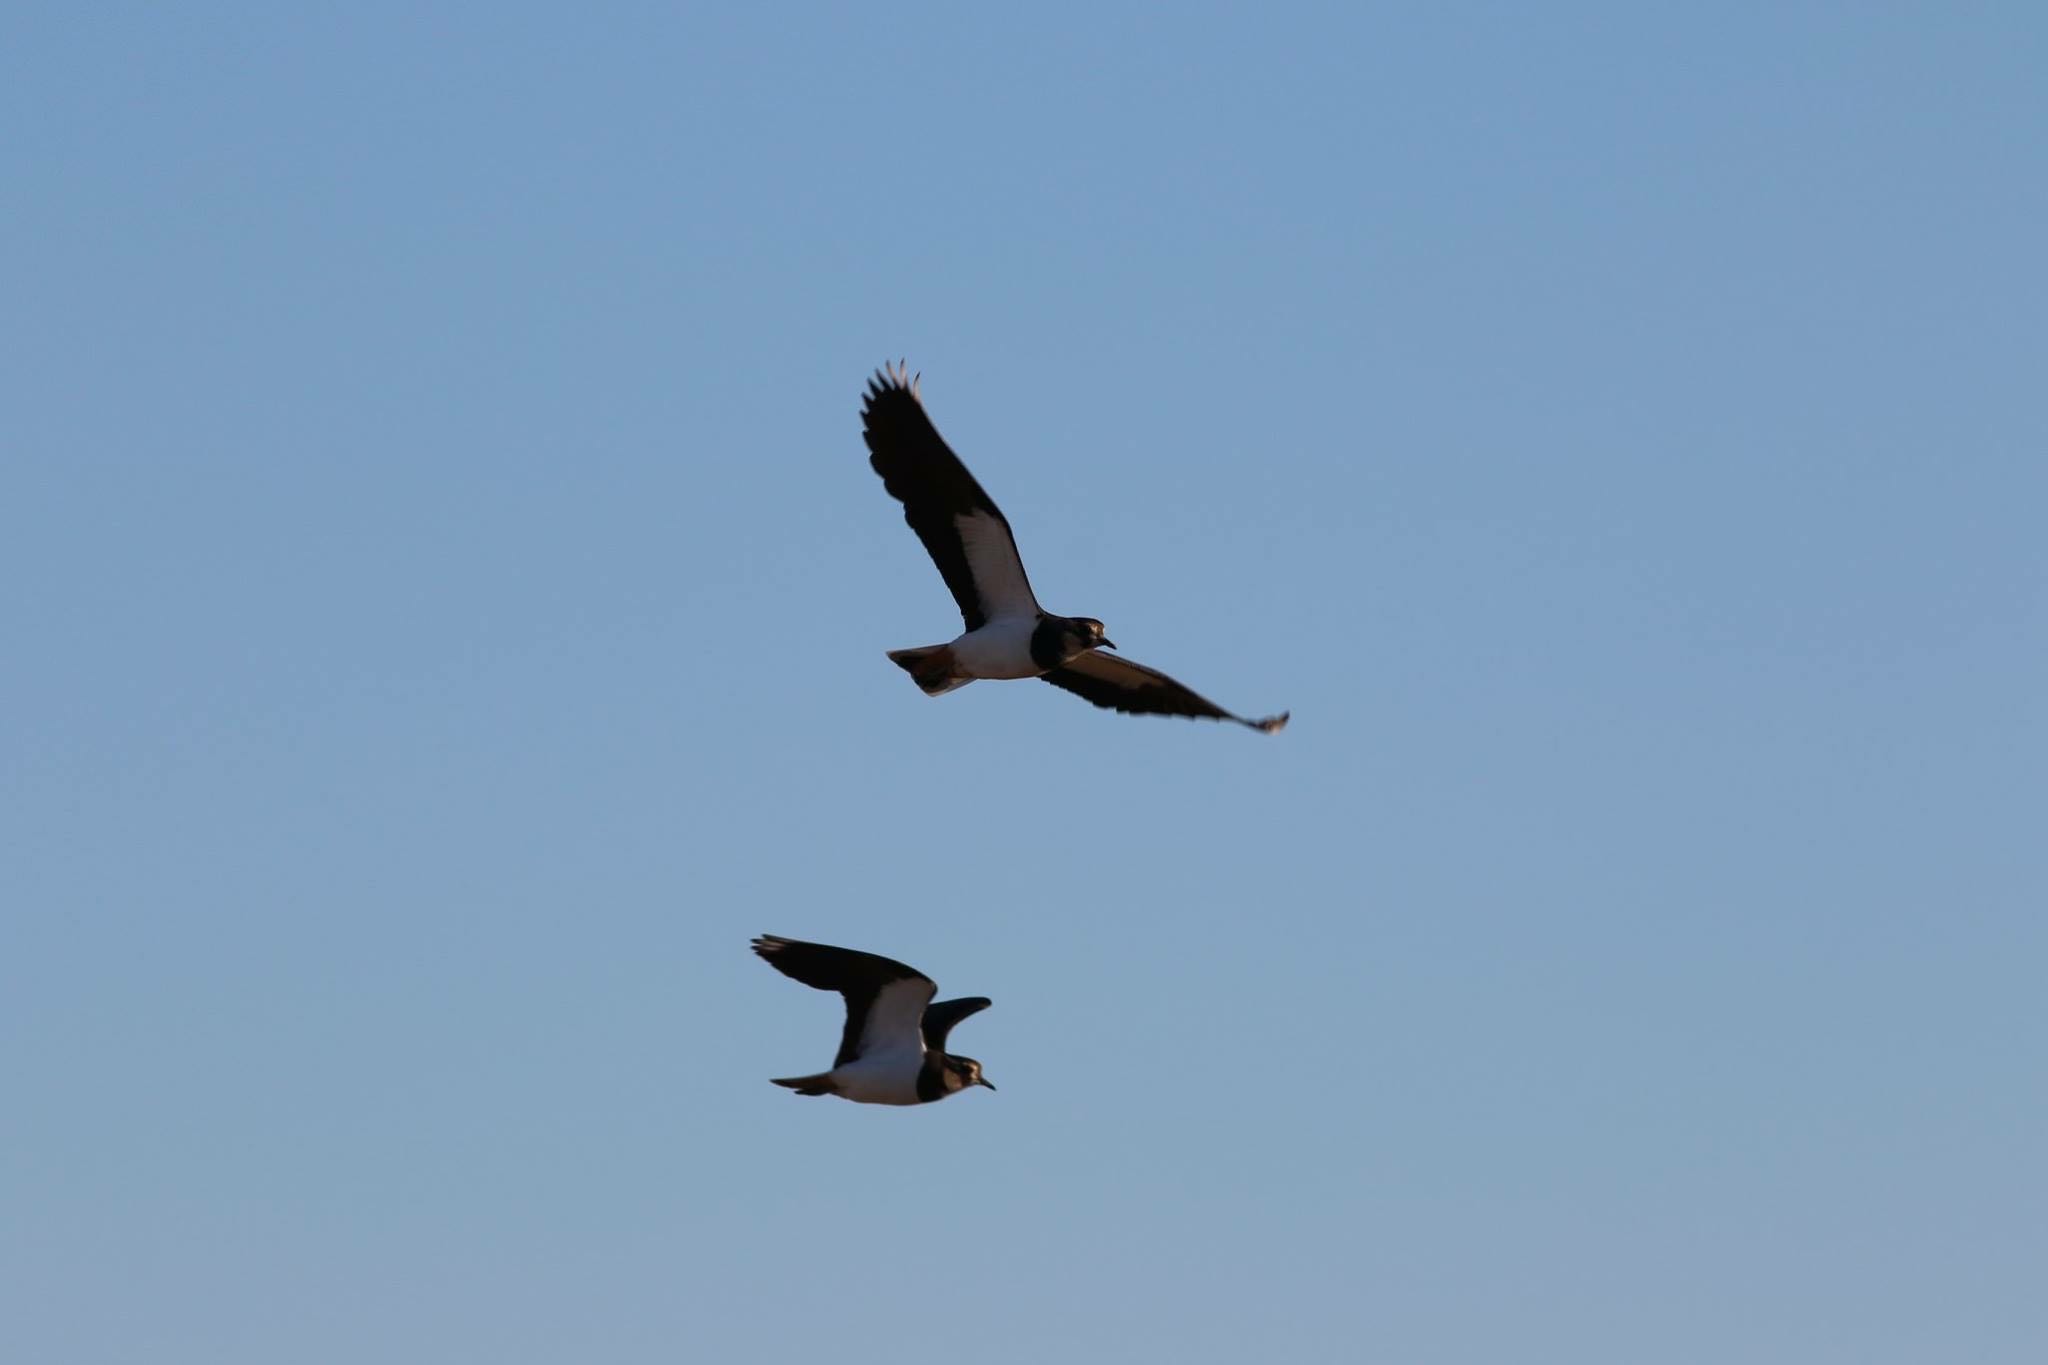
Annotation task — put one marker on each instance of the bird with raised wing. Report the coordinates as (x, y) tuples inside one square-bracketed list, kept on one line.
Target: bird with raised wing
[(1008, 634), (893, 1049)]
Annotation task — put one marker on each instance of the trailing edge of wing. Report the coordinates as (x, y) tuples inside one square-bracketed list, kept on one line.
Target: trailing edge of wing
[(1112, 681)]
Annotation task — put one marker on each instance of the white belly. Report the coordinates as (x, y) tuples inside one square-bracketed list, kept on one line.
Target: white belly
[(1000, 649), (888, 1078)]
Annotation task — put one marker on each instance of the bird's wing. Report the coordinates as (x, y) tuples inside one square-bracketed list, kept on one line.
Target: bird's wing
[(885, 1000), (1114, 681), (960, 525), (941, 1015)]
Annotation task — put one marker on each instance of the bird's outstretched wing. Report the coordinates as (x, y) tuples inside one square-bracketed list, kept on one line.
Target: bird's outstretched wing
[(941, 1015), (885, 1000), (960, 525), (1115, 682)]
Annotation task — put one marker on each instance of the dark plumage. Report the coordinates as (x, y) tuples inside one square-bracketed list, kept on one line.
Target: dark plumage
[(893, 1047), (920, 471), (1008, 634), (1122, 685)]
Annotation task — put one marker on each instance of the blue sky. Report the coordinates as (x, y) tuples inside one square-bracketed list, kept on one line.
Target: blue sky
[(445, 596)]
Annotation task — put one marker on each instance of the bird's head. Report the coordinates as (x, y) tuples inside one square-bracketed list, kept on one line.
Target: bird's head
[(1086, 632), (966, 1072)]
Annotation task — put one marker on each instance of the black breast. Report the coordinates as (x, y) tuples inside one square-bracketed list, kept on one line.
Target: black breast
[(1049, 643), (931, 1078)]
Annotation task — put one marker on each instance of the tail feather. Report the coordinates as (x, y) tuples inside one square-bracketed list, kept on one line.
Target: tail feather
[(820, 1084), (931, 667)]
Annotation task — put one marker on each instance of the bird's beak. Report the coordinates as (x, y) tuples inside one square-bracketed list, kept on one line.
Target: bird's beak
[(984, 1081), (1108, 643)]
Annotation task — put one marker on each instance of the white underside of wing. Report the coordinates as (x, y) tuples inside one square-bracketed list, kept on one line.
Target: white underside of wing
[(891, 1046), (1000, 649), (998, 573), (895, 1022)]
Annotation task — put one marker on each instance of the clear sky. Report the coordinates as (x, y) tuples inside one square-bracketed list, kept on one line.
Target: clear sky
[(443, 600)]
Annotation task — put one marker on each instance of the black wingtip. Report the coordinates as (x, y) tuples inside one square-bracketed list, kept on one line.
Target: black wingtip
[(894, 377)]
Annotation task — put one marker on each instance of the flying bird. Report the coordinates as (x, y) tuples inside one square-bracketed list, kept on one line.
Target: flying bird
[(893, 1050), (1008, 634)]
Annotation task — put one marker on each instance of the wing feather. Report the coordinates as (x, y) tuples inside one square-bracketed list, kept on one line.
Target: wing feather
[(885, 999), (1112, 681), (940, 1016), (963, 531)]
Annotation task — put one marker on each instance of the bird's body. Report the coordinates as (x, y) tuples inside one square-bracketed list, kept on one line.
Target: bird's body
[(884, 1078), (1008, 647), (893, 1048), (1000, 649), (1008, 634)]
